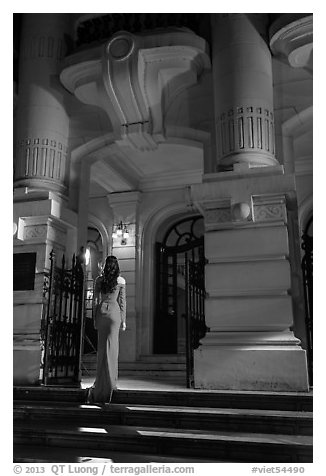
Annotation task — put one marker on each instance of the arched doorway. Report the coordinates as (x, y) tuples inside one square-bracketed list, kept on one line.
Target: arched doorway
[(307, 271), (179, 321)]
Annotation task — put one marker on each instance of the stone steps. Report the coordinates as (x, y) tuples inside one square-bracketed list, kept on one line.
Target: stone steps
[(282, 401), (228, 446), (31, 454), (147, 366), (160, 358), (222, 419), (176, 425)]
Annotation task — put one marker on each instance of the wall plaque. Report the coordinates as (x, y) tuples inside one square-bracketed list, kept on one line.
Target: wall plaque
[(24, 271)]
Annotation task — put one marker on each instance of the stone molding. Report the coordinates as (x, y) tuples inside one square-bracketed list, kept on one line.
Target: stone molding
[(294, 43), (264, 209), (282, 338)]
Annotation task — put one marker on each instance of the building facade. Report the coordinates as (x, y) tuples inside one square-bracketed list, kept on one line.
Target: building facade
[(182, 144)]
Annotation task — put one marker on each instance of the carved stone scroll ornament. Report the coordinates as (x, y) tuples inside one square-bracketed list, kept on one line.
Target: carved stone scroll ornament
[(35, 231), (269, 209)]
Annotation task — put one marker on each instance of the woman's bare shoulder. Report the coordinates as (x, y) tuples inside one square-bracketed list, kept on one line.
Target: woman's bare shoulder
[(121, 280)]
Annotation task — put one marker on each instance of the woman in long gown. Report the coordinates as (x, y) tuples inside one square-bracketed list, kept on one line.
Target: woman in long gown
[(109, 314)]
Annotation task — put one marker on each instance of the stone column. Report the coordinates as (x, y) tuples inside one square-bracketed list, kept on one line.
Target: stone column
[(243, 91), (248, 308), (41, 215), (125, 209), (42, 122), (42, 223)]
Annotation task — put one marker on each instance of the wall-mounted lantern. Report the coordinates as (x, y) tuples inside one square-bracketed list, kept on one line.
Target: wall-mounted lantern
[(121, 231)]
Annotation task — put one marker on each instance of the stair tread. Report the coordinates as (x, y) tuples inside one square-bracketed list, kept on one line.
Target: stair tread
[(33, 453), (201, 392), (114, 407), (123, 431)]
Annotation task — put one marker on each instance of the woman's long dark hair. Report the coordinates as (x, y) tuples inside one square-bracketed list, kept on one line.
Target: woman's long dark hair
[(110, 275)]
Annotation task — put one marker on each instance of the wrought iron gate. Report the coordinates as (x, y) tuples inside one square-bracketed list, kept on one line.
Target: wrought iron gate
[(62, 323), (195, 310), (307, 271)]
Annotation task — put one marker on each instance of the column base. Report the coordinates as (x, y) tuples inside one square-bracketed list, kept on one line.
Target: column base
[(270, 369), (26, 365)]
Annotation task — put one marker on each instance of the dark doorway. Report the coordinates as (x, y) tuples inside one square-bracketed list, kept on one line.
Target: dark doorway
[(180, 291)]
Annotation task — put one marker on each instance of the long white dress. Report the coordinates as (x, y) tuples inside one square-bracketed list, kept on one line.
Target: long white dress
[(110, 314)]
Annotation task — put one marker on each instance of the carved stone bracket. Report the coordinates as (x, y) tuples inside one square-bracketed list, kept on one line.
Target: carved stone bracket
[(134, 78)]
